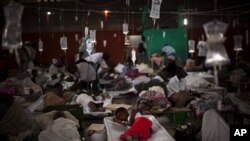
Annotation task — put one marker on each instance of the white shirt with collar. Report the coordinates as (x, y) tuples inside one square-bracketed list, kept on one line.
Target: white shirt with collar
[(175, 85)]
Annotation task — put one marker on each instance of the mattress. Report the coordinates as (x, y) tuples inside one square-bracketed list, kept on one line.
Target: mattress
[(114, 130)]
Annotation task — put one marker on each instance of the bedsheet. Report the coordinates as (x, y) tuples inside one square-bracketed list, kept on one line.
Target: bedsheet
[(114, 130)]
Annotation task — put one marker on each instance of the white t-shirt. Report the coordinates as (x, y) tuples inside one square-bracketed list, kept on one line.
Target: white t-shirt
[(95, 58), (175, 85), (202, 48)]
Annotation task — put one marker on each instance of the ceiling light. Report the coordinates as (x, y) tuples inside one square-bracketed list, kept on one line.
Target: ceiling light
[(48, 13), (185, 21), (106, 12)]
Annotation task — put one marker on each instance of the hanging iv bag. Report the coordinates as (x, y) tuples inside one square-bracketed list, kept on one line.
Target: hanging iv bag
[(191, 46), (216, 52), (215, 31), (12, 33), (216, 55), (238, 42)]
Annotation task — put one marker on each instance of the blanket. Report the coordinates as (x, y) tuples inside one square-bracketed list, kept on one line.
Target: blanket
[(214, 128), (15, 124), (44, 120), (141, 128), (114, 130), (61, 129)]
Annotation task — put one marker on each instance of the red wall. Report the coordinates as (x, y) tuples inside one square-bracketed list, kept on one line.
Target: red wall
[(115, 45)]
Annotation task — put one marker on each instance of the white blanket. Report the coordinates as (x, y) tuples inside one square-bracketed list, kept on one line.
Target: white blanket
[(195, 81), (44, 120), (114, 130), (61, 129), (214, 128)]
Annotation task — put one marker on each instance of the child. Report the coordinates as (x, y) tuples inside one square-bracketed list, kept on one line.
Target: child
[(121, 115), (140, 127)]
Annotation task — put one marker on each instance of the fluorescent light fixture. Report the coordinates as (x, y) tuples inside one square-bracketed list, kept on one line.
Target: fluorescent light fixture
[(185, 21)]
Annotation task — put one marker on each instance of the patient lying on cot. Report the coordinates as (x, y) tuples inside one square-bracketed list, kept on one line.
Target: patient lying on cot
[(60, 129), (89, 103), (140, 127)]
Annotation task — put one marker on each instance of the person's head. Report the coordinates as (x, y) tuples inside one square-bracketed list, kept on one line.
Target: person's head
[(59, 115), (34, 73), (122, 114), (190, 64), (106, 56), (180, 72)]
